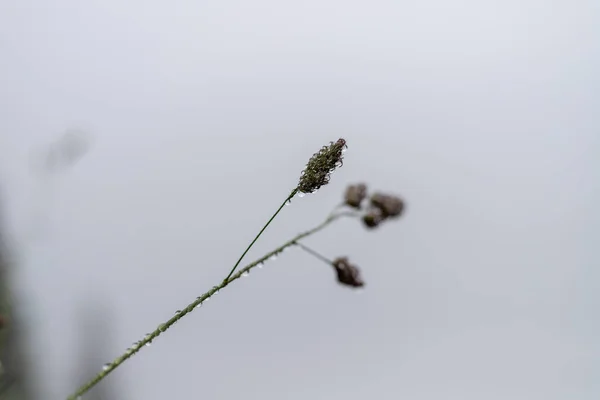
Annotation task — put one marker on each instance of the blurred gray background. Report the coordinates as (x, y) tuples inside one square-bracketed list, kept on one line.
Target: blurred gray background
[(483, 115)]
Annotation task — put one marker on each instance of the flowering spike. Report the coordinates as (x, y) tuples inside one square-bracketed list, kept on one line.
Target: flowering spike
[(320, 166)]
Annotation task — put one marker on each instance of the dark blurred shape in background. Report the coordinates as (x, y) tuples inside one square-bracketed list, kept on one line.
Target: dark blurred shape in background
[(16, 381)]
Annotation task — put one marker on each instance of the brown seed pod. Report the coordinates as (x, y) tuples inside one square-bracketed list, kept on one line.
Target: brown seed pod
[(390, 206), (347, 274), (355, 194)]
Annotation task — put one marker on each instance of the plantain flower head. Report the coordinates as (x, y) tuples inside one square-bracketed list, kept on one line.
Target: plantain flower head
[(320, 166)]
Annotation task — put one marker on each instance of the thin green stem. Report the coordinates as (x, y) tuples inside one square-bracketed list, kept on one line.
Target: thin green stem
[(315, 253), (289, 198), (337, 207), (146, 340)]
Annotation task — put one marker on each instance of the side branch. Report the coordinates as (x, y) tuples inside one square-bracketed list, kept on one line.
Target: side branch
[(108, 368)]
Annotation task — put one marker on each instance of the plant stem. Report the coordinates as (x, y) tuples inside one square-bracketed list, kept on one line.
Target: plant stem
[(337, 207), (289, 198), (314, 253), (108, 368)]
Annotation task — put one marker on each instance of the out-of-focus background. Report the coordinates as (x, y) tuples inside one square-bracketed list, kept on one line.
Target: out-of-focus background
[(198, 118)]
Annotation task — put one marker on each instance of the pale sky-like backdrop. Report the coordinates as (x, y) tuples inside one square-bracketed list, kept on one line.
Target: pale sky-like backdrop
[(483, 115)]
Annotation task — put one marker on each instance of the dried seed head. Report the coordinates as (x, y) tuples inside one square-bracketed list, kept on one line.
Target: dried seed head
[(347, 274), (320, 166), (390, 206), (355, 194), (373, 218)]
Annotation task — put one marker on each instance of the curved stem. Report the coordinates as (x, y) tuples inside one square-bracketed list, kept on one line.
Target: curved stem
[(337, 207), (146, 340), (289, 198), (315, 254)]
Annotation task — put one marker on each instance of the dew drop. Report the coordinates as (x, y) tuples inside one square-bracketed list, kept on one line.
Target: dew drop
[(106, 367), (207, 299), (245, 274), (148, 344), (260, 265), (301, 194), (177, 312), (273, 257)]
